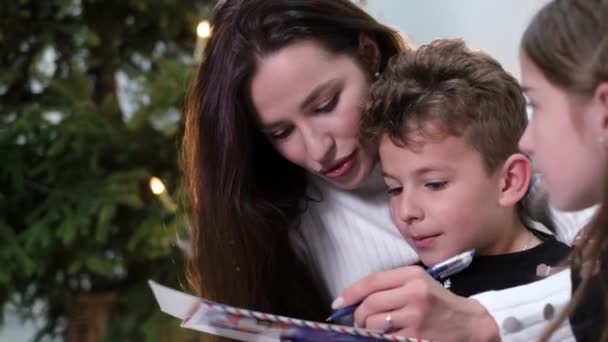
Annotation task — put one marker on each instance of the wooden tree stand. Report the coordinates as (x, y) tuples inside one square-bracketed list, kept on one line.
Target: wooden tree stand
[(88, 316)]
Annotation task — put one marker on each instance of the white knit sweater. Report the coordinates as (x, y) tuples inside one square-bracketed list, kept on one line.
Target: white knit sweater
[(349, 234)]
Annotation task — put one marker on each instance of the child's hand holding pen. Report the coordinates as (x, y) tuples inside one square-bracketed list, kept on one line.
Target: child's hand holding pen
[(408, 301), (441, 270)]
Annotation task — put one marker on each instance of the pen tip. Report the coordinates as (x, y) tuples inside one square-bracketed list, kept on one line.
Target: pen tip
[(331, 318)]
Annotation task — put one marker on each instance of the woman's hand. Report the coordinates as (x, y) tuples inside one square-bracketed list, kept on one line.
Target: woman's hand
[(407, 301)]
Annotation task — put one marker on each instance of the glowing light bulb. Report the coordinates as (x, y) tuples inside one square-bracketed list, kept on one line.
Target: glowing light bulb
[(203, 29), (157, 186)]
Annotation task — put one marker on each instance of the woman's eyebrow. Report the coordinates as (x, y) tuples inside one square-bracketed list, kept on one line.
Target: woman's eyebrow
[(316, 92)]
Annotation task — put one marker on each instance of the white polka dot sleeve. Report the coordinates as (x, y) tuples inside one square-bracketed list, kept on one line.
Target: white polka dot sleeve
[(522, 313)]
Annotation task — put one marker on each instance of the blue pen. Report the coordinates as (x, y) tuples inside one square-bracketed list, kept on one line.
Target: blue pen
[(441, 270)]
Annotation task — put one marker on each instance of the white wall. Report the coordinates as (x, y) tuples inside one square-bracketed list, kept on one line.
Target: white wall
[(495, 26)]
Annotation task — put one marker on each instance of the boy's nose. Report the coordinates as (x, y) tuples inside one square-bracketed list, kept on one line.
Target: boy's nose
[(409, 210)]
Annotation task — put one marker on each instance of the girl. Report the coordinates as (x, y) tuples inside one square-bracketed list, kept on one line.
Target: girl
[(564, 61)]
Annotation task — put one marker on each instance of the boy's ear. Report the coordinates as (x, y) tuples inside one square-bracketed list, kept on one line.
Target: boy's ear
[(369, 51), (516, 173)]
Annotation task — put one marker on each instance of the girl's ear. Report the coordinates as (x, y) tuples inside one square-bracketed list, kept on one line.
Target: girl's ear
[(516, 173), (600, 99), (370, 52)]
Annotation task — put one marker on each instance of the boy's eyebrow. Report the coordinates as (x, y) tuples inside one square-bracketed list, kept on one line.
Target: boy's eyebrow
[(428, 169), (316, 92), (420, 171)]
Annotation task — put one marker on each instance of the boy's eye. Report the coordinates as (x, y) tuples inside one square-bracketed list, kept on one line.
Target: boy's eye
[(438, 185), (395, 191), (281, 134), (328, 105)]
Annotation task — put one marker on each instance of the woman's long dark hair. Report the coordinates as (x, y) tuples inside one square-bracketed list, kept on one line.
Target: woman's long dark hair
[(244, 196), (568, 41)]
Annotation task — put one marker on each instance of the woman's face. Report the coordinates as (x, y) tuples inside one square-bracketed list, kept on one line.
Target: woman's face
[(309, 104), (563, 140)]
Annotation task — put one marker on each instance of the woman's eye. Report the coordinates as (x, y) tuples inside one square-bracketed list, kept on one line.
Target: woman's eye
[(328, 105), (394, 191), (440, 185), (281, 134)]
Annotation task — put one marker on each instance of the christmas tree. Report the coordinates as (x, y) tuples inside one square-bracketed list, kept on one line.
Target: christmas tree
[(91, 98)]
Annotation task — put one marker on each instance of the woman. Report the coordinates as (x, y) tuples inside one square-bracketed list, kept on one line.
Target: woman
[(272, 156)]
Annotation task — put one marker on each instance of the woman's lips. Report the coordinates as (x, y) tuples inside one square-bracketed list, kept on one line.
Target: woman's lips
[(341, 168)]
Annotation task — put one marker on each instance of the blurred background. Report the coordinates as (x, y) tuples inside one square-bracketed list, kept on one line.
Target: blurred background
[(91, 99)]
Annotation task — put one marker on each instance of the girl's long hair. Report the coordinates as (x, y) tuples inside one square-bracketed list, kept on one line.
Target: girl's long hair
[(568, 41)]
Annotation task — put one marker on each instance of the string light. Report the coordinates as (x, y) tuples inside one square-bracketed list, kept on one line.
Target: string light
[(203, 29), (203, 32), (158, 188)]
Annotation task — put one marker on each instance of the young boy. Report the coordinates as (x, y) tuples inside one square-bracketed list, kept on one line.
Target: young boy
[(448, 120)]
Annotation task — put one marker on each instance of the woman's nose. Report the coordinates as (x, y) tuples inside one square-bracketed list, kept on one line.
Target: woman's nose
[(319, 144)]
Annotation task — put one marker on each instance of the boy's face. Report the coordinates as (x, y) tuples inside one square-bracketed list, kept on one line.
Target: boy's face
[(443, 201)]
